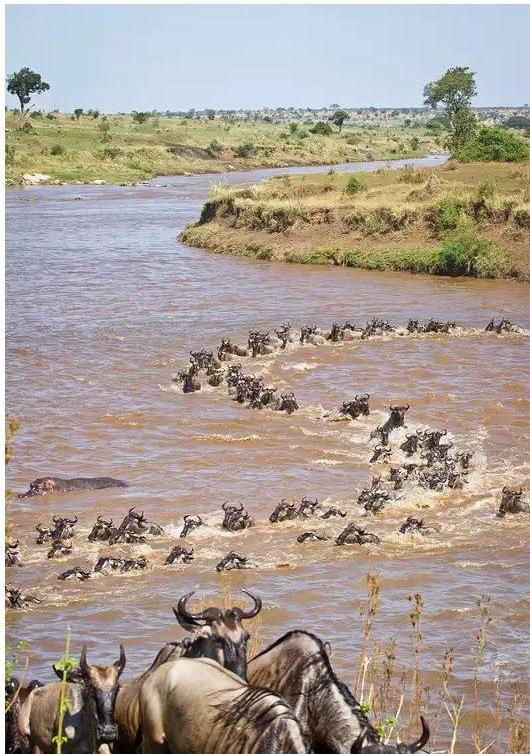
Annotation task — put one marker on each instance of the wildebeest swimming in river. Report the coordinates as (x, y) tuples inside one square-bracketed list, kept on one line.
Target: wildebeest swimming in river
[(234, 562), (191, 522), (236, 518), (179, 555), (12, 554), (511, 502), (354, 535), (357, 407), (49, 484), (89, 718), (16, 598)]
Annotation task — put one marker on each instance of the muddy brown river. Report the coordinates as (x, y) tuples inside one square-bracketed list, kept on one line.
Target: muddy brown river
[(104, 305)]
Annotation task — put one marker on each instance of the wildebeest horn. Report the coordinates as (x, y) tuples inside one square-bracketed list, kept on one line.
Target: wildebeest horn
[(504, 490), (443, 432), (56, 519), (407, 407), (181, 610), (253, 611), (83, 665), (358, 743), (120, 664), (422, 740), (225, 504), (72, 520)]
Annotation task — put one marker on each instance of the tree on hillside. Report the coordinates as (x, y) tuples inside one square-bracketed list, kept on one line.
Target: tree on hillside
[(338, 118), (23, 84), (454, 90), (78, 112), (140, 117)]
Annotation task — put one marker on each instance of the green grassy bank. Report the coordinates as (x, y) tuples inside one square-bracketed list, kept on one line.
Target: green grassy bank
[(471, 219), (116, 149)]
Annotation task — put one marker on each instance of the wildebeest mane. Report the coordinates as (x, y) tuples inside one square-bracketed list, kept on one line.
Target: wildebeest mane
[(247, 705), (327, 679)]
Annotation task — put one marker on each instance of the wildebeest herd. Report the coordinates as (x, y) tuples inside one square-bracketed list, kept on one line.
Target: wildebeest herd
[(203, 695), (288, 699)]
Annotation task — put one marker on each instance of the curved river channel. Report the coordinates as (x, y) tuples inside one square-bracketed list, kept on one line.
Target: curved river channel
[(104, 305)]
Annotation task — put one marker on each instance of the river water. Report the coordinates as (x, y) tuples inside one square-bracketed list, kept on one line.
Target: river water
[(104, 305)]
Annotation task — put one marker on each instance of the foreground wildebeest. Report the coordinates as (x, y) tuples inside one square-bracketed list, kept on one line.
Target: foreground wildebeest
[(511, 502), (332, 512), (285, 334), (287, 402), (308, 508), (16, 695), (236, 518), (297, 667), (234, 718), (12, 554), (191, 522), (89, 718), (179, 555), (189, 378), (381, 434), (259, 343), (284, 511), (376, 327), (383, 748), (102, 530), (48, 484), (354, 535), (415, 525), (340, 331), (411, 444), (233, 562), (228, 348), (396, 418), (358, 407), (59, 548), (464, 459), (16, 598), (380, 452), (134, 527)]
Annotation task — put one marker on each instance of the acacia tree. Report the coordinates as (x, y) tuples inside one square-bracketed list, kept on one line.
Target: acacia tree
[(78, 112), (338, 118), (23, 84), (454, 90)]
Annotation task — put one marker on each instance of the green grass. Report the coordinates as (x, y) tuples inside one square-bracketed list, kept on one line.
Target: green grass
[(116, 149)]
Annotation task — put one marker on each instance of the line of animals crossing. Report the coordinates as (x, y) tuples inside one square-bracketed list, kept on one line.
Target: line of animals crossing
[(287, 699), (424, 459)]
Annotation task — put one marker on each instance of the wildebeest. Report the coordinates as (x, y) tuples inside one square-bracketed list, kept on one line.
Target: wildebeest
[(411, 444), (397, 475), (504, 325), (306, 333), (228, 348), (236, 518), (380, 452), (415, 525), (297, 667), (464, 459), (308, 508), (381, 434), (396, 418), (59, 548), (338, 331), (332, 512), (102, 530), (189, 378), (215, 377), (76, 573), (179, 555), (358, 407), (354, 535), (312, 536), (234, 718), (12, 554), (191, 522), (233, 562), (287, 402), (284, 511), (49, 484), (285, 334), (16, 598), (511, 502), (16, 695), (376, 327), (384, 748), (108, 564), (134, 527), (259, 343), (89, 718), (44, 534)]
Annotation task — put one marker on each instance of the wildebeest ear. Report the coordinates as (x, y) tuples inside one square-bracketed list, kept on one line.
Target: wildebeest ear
[(73, 675)]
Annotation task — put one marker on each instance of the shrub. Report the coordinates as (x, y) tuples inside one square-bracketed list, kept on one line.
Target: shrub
[(28, 128), (140, 117), (57, 150), (50, 116), (244, 150), (409, 174), (447, 215), (355, 185), (516, 121), (321, 129), (214, 148), (414, 143), (36, 114), (469, 255), (10, 154), (302, 133), (111, 152), (293, 127), (493, 145), (486, 189)]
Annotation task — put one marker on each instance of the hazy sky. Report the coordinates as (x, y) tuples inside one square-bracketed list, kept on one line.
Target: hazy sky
[(122, 58)]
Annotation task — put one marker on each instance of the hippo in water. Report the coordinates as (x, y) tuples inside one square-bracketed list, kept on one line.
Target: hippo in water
[(48, 484)]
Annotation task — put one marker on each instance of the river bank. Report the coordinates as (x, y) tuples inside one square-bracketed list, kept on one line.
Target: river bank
[(116, 149), (469, 219)]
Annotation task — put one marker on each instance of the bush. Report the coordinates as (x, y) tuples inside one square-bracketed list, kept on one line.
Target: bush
[(111, 152), (409, 174), (486, 189), (214, 148), (244, 150), (50, 116), (28, 128), (321, 129), (516, 121), (493, 145), (414, 143), (447, 215), (468, 255), (57, 150), (36, 114), (10, 154), (140, 117), (355, 185)]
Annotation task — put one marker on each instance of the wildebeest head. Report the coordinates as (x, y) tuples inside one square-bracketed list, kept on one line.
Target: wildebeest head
[(64, 527), (102, 530), (401, 748), (220, 633), (42, 486), (191, 522), (44, 534), (101, 686), (511, 502), (284, 511), (397, 416)]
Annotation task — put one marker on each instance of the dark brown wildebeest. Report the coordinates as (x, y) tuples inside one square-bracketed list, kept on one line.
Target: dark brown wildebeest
[(236, 518), (16, 695), (46, 485), (179, 555), (191, 522), (102, 530), (354, 535), (12, 554), (511, 502), (283, 512), (358, 407), (235, 718), (91, 692)]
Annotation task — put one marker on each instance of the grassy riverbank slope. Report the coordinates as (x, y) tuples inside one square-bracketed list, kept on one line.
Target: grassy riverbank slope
[(116, 149), (471, 219)]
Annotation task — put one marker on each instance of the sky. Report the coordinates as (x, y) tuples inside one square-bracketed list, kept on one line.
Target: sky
[(119, 58)]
